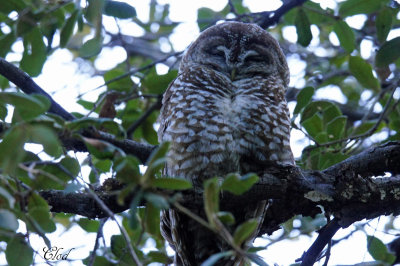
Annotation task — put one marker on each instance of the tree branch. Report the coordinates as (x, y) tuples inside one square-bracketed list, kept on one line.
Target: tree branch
[(27, 85), (324, 237), (268, 18), (346, 192)]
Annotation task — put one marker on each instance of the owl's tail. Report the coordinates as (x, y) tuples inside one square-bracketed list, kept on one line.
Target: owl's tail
[(194, 244)]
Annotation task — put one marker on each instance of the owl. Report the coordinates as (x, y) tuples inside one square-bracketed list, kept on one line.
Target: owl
[(224, 113)]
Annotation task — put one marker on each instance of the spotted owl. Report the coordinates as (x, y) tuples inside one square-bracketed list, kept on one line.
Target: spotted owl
[(224, 113)]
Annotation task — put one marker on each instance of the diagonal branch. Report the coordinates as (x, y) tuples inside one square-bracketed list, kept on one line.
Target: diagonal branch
[(267, 19), (324, 237), (134, 126), (27, 85)]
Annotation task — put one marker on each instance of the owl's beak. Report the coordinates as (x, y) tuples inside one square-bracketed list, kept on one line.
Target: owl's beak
[(233, 73)]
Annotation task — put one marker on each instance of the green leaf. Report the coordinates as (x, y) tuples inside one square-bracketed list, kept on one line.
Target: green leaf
[(120, 81), (119, 9), (133, 218), (26, 22), (8, 221), (160, 257), (12, 149), (244, 231), (157, 84), (72, 165), (8, 6), (326, 108), (362, 71), (152, 219), (205, 16), (89, 225), (86, 104), (18, 252), (41, 215), (303, 30), (39, 210), (212, 260), (336, 128), (91, 47), (383, 24), (313, 125), (3, 111), (98, 261), (49, 140), (353, 7), (103, 165), (157, 200), (226, 217), (6, 41), (388, 53), (34, 55), (321, 137), (379, 251), (127, 169), (26, 106), (119, 249), (345, 35), (329, 159), (239, 185), (5, 195), (102, 149), (68, 28), (211, 198), (303, 98), (106, 124), (257, 259), (330, 113), (318, 15), (172, 183), (157, 155)]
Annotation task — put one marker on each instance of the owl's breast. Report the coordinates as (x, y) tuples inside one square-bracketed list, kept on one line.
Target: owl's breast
[(216, 128)]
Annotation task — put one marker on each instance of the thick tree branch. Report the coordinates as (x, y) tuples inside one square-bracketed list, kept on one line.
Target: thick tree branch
[(346, 192)]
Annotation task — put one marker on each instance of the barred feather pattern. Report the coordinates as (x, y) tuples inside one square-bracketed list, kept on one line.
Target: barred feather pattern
[(224, 113)]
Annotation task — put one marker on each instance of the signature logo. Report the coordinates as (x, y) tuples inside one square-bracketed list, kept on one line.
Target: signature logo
[(55, 253)]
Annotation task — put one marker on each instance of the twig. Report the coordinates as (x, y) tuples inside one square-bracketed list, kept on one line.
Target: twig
[(193, 216), (232, 7), (268, 18), (134, 71), (325, 235), (96, 243), (121, 228), (134, 126), (371, 130), (328, 253), (132, 97)]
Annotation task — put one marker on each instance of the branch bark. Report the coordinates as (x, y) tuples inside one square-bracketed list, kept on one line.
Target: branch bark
[(27, 85), (346, 190)]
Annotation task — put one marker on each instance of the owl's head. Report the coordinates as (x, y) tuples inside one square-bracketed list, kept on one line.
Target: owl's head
[(239, 51)]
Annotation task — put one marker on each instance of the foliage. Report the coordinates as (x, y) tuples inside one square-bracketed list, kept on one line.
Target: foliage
[(330, 46)]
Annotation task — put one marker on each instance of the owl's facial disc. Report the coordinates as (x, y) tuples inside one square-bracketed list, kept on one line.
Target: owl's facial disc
[(235, 58)]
